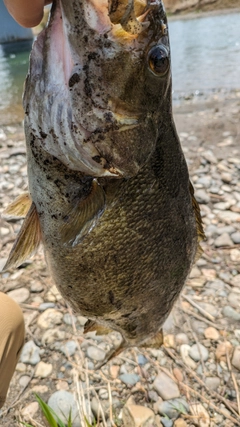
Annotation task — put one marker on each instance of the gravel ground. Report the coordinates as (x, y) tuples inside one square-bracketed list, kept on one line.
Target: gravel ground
[(193, 380)]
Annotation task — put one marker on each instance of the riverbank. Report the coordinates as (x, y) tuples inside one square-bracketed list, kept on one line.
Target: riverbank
[(175, 385)]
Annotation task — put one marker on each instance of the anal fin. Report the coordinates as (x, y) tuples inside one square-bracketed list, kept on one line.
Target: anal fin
[(27, 242)]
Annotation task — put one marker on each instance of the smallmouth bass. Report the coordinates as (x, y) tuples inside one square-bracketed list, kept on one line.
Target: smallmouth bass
[(109, 190)]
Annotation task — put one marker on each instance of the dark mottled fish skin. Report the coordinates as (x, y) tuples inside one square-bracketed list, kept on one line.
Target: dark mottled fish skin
[(118, 248)]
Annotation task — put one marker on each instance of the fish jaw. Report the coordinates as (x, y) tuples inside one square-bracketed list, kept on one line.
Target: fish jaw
[(90, 98)]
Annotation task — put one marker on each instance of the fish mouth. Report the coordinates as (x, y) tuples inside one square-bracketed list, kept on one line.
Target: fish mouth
[(119, 16)]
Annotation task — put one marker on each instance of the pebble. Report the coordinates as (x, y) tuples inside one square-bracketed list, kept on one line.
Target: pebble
[(69, 319), (166, 422), (45, 305), (62, 402), (129, 379), (137, 416), (172, 408), (166, 387), (114, 371), (235, 255), (43, 369), (24, 380), (30, 353), (198, 352), (211, 333), (49, 318), (236, 237), (36, 287), (69, 348), (234, 299), (236, 358), (236, 280), (52, 335), (212, 382), (202, 196), (223, 240), (222, 349), (200, 414), (95, 353), (82, 320), (231, 313), (21, 367), (180, 423), (142, 360), (182, 338), (19, 295), (184, 351), (29, 411)]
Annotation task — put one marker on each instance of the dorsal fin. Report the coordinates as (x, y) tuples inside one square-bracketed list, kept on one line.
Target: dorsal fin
[(27, 242), (200, 231), (18, 208)]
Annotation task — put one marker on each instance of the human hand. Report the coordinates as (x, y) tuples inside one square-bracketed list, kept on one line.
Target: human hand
[(27, 13)]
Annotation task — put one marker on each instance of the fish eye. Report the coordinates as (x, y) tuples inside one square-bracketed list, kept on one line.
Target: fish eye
[(158, 60)]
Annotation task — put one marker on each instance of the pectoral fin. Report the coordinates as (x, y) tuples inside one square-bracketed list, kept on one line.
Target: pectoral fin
[(83, 216), (18, 208), (28, 240)]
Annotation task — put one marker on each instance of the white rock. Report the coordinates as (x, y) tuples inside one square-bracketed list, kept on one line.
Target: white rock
[(49, 318), (184, 350), (137, 416), (43, 370), (19, 295)]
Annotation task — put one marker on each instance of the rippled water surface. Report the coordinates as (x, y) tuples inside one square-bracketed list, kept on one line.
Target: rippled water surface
[(205, 56)]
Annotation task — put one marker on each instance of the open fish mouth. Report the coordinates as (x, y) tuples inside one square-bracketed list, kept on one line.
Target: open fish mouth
[(83, 97), (130, 15)]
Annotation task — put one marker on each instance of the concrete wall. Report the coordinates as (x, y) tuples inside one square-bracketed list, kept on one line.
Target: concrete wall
[(9, 29)]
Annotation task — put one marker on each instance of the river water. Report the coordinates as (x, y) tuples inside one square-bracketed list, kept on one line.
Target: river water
[(205, 57)]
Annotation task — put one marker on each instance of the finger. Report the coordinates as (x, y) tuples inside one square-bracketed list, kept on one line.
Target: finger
[(27, 13)]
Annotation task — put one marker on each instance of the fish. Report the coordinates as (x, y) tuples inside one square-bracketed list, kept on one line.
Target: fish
[(110, 196)]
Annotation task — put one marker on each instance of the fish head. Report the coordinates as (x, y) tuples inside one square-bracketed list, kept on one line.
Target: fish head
[(99, 84)]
